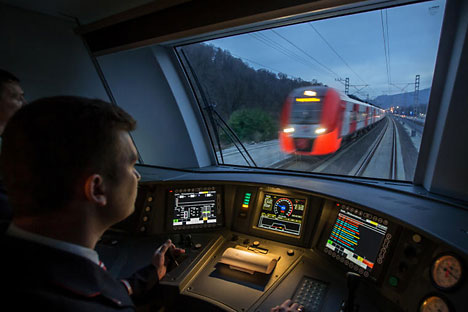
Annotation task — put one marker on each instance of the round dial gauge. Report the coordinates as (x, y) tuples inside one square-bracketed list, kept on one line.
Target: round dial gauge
[(446, 272), (434, 304), (283, 207)]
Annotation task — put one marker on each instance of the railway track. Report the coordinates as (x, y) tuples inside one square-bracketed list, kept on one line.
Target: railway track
[(393, 174), (382, 159), (362, 166)]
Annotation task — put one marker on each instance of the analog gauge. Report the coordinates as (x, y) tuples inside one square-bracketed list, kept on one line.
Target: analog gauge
[(434, 304), (283, 207), (446, 272)]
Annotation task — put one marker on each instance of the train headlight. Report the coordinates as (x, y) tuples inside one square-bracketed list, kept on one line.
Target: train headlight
[(310, 93), (320, 130), (288, 130)]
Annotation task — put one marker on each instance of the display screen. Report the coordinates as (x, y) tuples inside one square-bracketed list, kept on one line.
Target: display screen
[(195, 208), (356, 238), (282, 214)]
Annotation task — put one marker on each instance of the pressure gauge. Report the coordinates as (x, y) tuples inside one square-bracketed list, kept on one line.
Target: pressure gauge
[(434, 304), (446, 272)]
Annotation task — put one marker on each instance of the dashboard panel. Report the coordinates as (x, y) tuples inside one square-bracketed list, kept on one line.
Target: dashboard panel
[(281, 214), (317, 237), (359, 240), (190, 208)]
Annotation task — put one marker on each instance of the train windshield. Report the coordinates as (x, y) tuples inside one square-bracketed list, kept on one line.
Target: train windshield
[(306, 113), (342, 95)]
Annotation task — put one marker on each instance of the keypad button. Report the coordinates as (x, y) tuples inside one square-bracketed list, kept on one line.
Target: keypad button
[(310, 293)]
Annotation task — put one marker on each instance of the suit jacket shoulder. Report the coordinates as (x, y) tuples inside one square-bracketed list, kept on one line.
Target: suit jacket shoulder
[(36, 276)]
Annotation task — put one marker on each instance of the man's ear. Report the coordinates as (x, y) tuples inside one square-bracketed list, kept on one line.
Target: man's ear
[(95, 190)]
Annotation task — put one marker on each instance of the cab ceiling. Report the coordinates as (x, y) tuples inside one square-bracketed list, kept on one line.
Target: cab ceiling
[(87, 11), (113, 25)]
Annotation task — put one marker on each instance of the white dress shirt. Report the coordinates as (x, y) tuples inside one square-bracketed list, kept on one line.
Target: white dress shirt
[(88, 253)]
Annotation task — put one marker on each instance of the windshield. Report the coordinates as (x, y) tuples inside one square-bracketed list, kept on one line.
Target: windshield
[(345, 95)]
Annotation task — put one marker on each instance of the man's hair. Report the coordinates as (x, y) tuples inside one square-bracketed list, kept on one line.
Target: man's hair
[(52, 144), (6, 77)]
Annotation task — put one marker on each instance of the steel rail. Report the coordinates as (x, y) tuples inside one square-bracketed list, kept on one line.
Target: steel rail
[(394, 157), (362, 167)]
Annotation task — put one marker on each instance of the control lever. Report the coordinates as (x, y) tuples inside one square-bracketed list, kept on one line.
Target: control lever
[(188, 241), (352, 281)]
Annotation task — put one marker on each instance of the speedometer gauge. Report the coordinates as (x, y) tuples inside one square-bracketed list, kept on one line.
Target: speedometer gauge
[(434, 304), (283, 207), (446, 272)]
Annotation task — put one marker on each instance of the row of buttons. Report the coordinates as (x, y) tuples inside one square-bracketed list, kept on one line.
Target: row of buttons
[(338, 256), (212, 188), (146, 216), (366, 215), (195, 226), (384, 248)]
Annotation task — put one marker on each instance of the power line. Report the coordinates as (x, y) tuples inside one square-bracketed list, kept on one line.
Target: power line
[(278, 71), (388, 47), (293, 54), (385, 50), (310, 56), (344, 61), (267, 41), (337, 54)]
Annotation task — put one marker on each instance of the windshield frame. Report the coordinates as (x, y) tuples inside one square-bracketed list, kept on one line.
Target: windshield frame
[(333, 12)]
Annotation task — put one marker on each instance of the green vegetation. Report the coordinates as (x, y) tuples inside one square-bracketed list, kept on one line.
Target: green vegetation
[(253, 124)]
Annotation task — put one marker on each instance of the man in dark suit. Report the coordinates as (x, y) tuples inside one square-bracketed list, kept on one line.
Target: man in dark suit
[(68, 165), (11, 99)]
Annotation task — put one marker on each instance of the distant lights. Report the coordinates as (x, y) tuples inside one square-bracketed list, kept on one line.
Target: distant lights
[(320, 130), (288, 130), (310, 93)]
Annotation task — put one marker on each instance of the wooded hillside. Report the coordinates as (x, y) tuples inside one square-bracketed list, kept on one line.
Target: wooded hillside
[(238, 91)]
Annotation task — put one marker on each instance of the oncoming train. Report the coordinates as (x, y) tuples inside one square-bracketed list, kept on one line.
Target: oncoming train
[(315, 120)]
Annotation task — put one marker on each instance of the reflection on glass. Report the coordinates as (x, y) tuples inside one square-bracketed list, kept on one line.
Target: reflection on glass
[(345, 95)]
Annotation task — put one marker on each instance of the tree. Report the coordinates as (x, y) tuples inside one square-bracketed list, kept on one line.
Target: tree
[(253, 124)]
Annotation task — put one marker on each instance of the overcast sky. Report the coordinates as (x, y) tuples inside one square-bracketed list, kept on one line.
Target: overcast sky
[(357, 46)]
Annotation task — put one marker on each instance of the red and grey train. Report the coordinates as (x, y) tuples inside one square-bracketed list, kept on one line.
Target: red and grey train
[(315, 120)]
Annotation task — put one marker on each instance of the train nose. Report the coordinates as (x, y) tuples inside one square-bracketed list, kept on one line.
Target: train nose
[(303, 144)]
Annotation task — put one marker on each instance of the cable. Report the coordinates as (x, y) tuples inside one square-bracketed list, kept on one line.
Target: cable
[(342, 59), (291, 54), (287, 51), (278, 71), (310, 56), (337, 54), (385, 50), (267, 41), (388, 48)]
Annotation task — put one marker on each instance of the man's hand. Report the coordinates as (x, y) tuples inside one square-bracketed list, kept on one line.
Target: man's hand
[(287, 306), (163, 255)]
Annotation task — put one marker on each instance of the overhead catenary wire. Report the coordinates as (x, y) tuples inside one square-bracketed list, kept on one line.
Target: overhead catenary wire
[(388, 46), (288, 52), (336, 53), (343, 60), (307, 54), (387, 63), (254, 62), (280, 48)]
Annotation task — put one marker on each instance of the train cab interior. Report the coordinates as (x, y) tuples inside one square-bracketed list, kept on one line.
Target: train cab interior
[(258, 231)]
